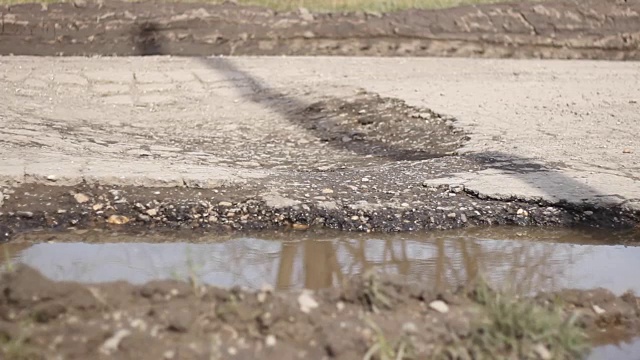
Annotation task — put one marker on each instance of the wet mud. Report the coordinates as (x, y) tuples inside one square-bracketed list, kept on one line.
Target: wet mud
[(182, 320)]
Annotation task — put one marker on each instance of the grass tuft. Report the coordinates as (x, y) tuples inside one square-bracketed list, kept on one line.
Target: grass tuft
[(383, 349), (518, 328)]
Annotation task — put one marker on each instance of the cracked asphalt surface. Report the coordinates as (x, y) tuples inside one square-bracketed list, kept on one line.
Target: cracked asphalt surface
[(369, 144)]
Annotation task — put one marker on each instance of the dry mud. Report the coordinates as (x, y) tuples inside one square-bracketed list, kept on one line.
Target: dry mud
[(570, 29)]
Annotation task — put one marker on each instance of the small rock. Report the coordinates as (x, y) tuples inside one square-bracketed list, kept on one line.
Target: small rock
[(81, 198), (232, 351), (270, 340), (305, 14), (225, 203), (306, 302), (522, 212), (169, 354), (340, 306), (298, 226), (451, 215), (627, 151), (355, 218), (588, 213), (112, 343), (463, 218), (598, 310), (542, 352), (262, 296), (1, 198), (179, 321), (144, 218), (409, 328), (152, 212), (327, 191), (25, 214), (138, 324), (439, 306), (365, 179), (117, 219), (97, 207), (52, 178)]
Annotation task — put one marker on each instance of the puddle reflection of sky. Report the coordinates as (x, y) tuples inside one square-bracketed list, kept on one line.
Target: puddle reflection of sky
[(254, 262)]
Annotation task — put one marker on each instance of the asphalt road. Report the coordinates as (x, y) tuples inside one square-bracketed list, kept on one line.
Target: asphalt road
[(556, 130)]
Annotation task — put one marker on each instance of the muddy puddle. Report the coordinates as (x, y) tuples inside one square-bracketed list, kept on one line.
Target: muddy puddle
[(627, 349), (524, 260)]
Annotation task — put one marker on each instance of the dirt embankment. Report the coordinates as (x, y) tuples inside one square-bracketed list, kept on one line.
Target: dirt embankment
[(592, 29), (382, 318)]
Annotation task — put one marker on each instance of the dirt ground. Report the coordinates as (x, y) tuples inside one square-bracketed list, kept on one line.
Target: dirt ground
[(566, 29), (366, 318)]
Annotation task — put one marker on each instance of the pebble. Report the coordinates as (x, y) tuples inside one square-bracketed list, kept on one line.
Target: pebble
[(97, 207), (232, 351), (112, 343), (300, 226), (138, 324), (152, 212), (542, 352), (81, 198), (270, 341), (456, 188), (306, 302), (25, 214), (169, 354), (117, 220), (262, 296), (327, 191), (340, 306), (1, 198), (409, 328), (439, 306), (588, 213), (522, 212), (52, 178), (451, 215), (225, 203), (305, 14), (463, 217), (598, 310)]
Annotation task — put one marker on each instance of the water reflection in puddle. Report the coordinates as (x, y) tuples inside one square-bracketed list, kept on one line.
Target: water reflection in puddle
[(525, 260), (629, 350)]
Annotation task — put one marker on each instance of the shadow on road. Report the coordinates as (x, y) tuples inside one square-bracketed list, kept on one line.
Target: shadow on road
[(561, 189)]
